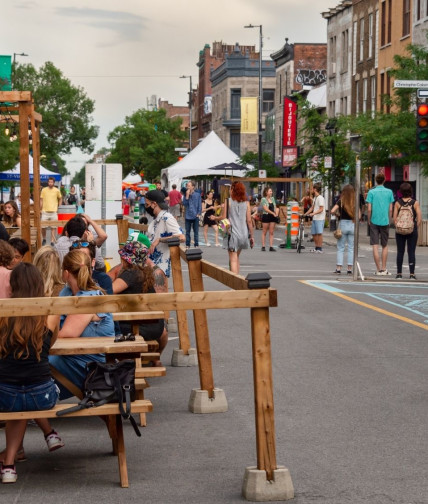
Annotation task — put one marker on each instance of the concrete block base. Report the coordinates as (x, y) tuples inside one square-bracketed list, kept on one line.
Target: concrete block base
[(180, 359), (172, 325), (258, 489), (199, 401)]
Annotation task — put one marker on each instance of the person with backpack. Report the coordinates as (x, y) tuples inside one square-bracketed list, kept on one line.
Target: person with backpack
[(407, 217)]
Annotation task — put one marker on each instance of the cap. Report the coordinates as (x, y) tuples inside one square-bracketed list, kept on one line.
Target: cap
[(140, 237), (134, 253), (158, 197)]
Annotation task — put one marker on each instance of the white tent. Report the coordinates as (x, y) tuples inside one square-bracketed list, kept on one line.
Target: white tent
[(15, 173), (210, 152), (132, 179)]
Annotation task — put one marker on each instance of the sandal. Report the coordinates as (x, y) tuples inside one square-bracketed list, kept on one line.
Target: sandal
[(19, 457)]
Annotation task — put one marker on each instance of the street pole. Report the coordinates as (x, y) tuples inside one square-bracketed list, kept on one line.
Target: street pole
[(357, 217), (190, 109)]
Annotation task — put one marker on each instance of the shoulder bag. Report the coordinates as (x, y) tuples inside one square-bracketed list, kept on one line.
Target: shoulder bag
[(108, 383), (224, 226)]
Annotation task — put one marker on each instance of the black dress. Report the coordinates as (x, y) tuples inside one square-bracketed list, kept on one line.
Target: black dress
[(209, 210)]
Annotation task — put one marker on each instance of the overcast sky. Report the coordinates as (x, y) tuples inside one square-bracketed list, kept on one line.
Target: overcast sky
[(123, 52)]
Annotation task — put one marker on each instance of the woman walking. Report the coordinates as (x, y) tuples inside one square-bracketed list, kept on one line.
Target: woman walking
[(209, 207), (346, 208), (412, 238), (269, 217), (237, 210)]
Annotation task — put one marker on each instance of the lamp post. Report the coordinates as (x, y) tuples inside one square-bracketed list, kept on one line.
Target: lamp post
[(331, 128), (355, 142), (190, 109), (260, 89), (18, 54)]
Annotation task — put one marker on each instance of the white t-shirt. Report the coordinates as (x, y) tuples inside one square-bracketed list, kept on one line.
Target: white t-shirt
[(319, 202)]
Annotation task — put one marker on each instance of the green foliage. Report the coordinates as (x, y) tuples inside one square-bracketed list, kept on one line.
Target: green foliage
[(66, 111), (146, 142), (252, 158), (9, 151)]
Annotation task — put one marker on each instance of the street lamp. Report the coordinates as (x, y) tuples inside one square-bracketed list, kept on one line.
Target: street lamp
[(331, 128), (18, 54), (260, 89), (190, 109)]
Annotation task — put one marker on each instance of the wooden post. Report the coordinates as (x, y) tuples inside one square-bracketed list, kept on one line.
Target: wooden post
[(177, 282), (24, 113), (35, 134), (194, 257), (263, 383), (122, 228)]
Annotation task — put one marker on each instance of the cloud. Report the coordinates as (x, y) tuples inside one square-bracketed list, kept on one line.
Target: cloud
[(128, 26)]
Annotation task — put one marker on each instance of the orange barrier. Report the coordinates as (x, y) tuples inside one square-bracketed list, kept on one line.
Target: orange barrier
[(292, 219), (65, 212)]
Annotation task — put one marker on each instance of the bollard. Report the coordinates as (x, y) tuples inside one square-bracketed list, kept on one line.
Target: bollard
[(288, 246), (137, 213)]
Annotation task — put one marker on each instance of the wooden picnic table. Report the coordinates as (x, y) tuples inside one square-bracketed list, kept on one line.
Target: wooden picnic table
[(100, 344)]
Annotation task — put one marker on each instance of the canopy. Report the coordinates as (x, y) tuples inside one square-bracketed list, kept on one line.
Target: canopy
[(15, 173), (210, 152), (132, 179)]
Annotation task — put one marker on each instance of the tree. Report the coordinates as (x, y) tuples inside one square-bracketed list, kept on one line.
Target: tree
[(66, 111), (251, 158), (146, 143)]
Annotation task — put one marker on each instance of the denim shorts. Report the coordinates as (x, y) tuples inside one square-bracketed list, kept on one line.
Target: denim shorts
[(317, 226), (28, 397)]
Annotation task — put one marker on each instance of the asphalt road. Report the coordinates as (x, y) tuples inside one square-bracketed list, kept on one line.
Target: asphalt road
[(350, 373)]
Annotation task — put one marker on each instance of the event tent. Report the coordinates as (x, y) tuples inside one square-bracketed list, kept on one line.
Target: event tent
[(15, 173), (210, 152)]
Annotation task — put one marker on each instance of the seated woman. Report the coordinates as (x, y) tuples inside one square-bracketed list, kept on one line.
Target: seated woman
[(138, 276), (76, 272), (25, 380), (12, 217), (47, 261)]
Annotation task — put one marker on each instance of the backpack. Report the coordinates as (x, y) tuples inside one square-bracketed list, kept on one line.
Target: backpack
[(406, 219), (72, 199)]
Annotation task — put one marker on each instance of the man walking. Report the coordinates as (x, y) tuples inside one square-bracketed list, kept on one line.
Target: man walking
[(50, 198), (317, 212), (379, 212), (174, 201), (193, 207)]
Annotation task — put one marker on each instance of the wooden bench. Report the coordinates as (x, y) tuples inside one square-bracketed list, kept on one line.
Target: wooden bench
[(115, 426), (141, 373)]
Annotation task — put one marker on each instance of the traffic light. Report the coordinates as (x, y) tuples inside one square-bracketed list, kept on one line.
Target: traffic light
[(422, 128)]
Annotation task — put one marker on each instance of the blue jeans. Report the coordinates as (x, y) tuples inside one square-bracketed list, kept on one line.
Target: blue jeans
[(195, 224), (42, 396), (347, 227)]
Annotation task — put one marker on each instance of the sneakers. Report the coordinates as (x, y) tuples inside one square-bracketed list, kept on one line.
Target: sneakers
[(208, 244), (398, 276), (263, 249), (319, 251), (8, 474), (349, 272), (337, 271), (271, 249), (53, 441), (412, 277), (382, 273)]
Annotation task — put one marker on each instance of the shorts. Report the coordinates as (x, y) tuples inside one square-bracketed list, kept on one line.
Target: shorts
[(49, 216), (40, 396), (376, 231), (175, 210), (267, 218), (317, 227)]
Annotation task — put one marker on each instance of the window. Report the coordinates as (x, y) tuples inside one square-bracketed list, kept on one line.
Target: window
[(235, 142), (373, 94), (388, 40), (345, 50), (382, 89), (235, 103), (406, 17), (388, 91), (357, 97), (361, 39), (418, 9), (365, 92), (383, 25), (268, 99), (370, 55), (332, 55)]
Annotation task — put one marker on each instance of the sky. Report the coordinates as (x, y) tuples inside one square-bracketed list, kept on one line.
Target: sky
[(122, 53)]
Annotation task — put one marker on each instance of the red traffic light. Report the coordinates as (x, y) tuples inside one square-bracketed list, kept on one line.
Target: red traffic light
[(423, 109)]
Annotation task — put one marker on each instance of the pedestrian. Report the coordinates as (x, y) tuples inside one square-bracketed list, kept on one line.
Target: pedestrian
[(269, 217), (72, 197), (161, 228), (50, 199), (411, 238), (379, 213), (193, 207), (306, 202), (317, 212), (237, 210), (159, 188), (345, 207), (174, 201), (209, 208)]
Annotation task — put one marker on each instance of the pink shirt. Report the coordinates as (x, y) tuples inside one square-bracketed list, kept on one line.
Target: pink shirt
[(5, 290)]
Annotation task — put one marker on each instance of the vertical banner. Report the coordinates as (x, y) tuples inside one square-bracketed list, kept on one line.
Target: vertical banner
[(289, 148), (249, 115)]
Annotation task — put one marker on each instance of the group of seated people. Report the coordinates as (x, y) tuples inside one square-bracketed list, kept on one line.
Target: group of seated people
[(73, 267)]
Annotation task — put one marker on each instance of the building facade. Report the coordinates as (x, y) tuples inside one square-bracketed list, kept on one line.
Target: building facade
[(238, 77)]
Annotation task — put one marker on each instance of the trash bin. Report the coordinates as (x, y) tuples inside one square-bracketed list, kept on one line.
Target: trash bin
[(66, 212)]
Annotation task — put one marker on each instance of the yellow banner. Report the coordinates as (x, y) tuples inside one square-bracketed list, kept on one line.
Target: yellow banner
[(249, 115)]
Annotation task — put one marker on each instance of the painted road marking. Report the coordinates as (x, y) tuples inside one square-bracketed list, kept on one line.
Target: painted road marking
[(417, 304)]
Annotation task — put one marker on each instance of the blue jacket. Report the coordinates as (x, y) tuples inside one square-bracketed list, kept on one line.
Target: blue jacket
[(193, 205)]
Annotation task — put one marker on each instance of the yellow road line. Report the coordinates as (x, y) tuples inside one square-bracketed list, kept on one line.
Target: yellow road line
[(371, 307)]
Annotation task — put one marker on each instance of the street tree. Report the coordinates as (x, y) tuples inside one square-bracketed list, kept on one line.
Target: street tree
[(251, 158), (66, 110), (145, 143)]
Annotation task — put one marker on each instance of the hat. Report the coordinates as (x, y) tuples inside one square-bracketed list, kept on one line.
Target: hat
[(140, 237), (158, 197), (134, 253)]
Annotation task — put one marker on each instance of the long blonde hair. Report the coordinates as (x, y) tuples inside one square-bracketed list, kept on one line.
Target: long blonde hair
[(47, 261), (347, 198), (78, 264)]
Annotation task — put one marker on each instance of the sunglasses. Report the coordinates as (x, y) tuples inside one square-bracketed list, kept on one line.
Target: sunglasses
[(121, 337), (79, 244)]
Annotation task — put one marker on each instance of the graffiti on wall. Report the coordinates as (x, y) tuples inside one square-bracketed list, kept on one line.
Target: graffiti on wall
[(309, 77)]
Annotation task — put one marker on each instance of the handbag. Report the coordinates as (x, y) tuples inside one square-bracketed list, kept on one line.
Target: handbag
[(224, 226), (338, 232), (107, 383)]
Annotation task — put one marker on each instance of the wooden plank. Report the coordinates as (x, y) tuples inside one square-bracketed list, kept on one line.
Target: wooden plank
[(100, 344), (147, 315), (201, 332), (224, 276), (24, 146), (137, 302), (15, 96), (263, 391), (150, 372), (138, 406), (66, 382), (121, 453)]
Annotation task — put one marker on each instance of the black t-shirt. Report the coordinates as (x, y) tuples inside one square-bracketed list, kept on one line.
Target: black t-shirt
[(4, 235), (27, 370), (343, 214)]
